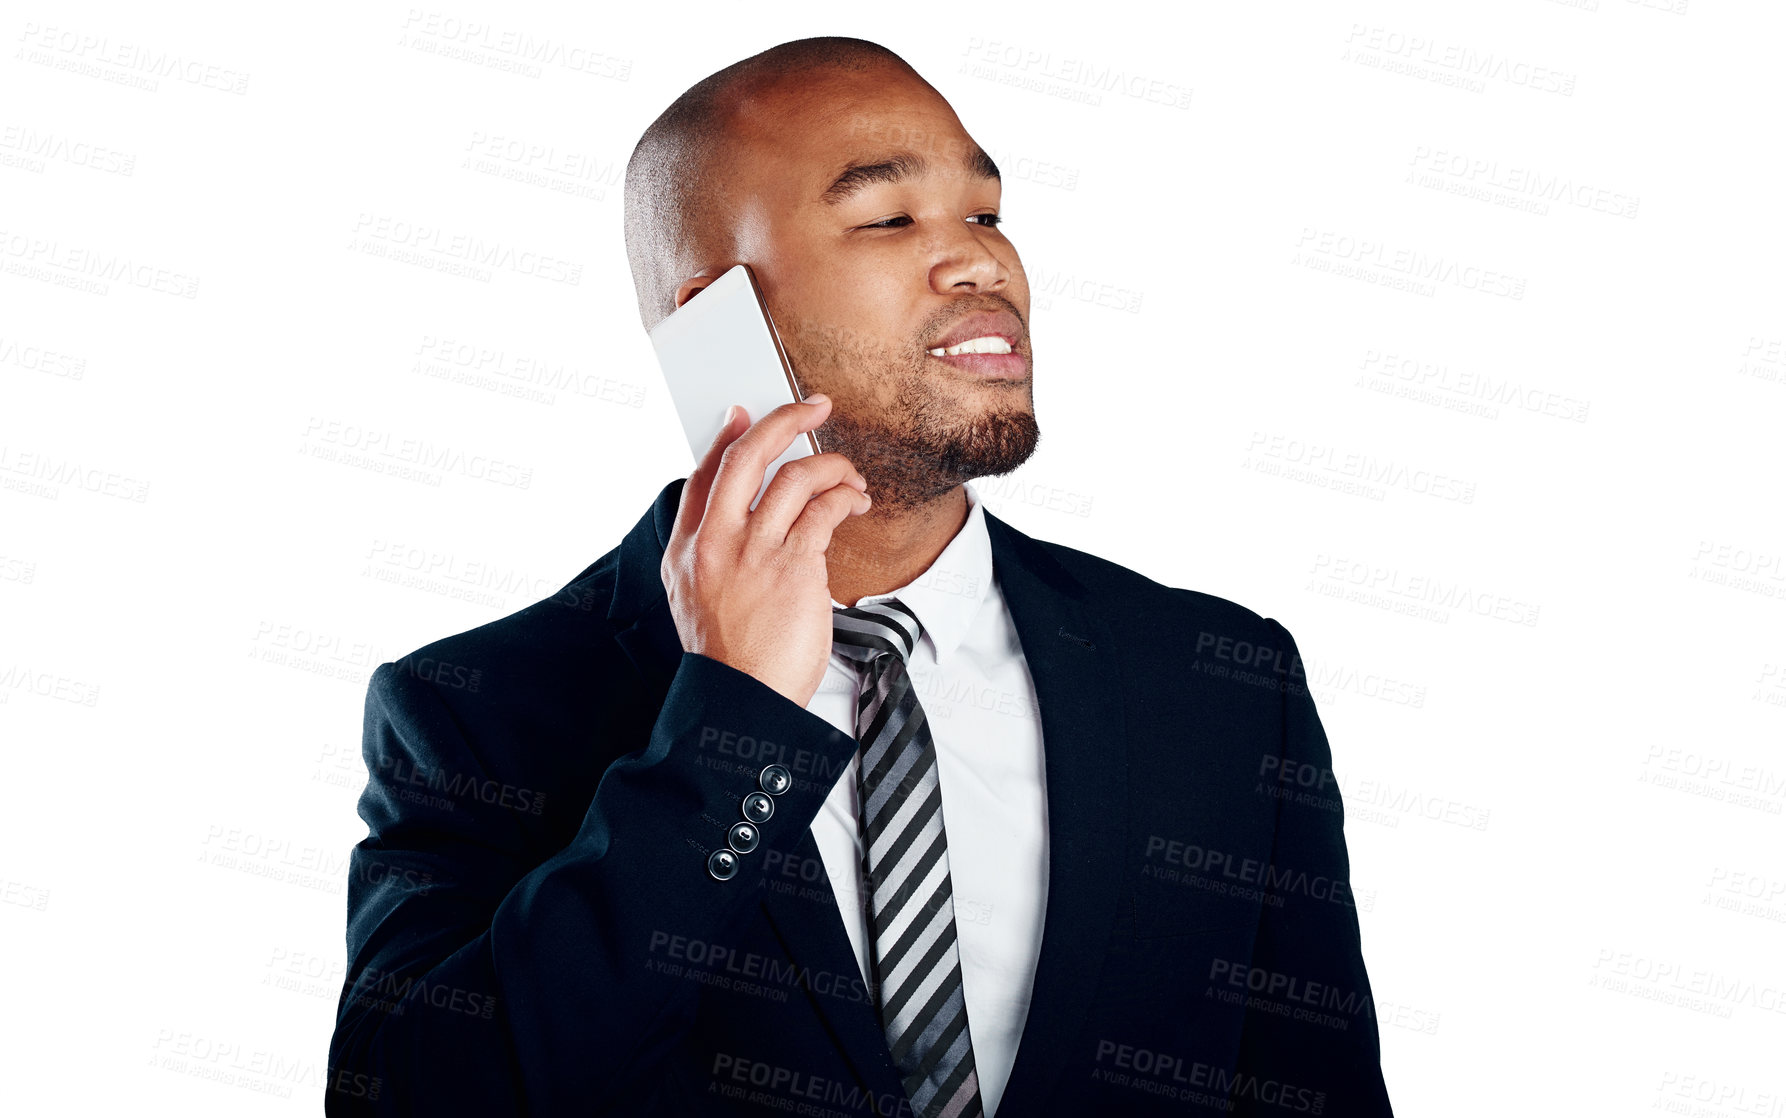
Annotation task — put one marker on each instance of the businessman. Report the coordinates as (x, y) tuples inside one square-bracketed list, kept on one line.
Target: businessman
[(861, 802)]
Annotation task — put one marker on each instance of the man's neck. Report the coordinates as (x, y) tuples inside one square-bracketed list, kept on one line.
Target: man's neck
[(881, 551)]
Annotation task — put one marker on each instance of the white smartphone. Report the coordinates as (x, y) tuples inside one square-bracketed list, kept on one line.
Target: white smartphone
[(721, 348)]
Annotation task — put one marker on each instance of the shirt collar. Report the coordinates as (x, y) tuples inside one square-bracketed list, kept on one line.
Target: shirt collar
[(949, 592)]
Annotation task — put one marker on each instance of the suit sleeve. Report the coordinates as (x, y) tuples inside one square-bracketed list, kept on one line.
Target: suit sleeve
[(1309, 1035), (483, 981)]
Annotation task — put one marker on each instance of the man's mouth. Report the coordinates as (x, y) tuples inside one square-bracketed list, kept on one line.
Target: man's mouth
[(984, 344), (991, 343), (990, 358)]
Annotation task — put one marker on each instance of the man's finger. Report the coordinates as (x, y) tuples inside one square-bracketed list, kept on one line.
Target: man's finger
[(693, 505), (812, 531), (795, 484), (746, 460)]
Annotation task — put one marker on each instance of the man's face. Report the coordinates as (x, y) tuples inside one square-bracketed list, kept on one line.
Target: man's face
[(865, 279)]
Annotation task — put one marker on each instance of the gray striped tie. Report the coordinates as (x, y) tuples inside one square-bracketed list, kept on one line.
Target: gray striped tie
[(905, 862)]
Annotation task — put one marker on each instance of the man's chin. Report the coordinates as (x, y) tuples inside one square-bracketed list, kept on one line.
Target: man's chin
[(910, 468), (993, 445)]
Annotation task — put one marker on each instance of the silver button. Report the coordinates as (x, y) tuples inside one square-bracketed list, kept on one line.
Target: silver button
[(743, 837), (775, 780), (723, 865), (758, 807)]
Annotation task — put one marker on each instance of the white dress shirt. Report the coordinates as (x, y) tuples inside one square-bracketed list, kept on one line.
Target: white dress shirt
[(973, 682)]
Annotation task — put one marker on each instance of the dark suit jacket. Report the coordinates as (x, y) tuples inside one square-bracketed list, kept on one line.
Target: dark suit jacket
[(532, 927)]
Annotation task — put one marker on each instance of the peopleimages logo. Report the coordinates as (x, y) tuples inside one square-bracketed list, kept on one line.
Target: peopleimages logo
[(1394, 50), (401, 771), (424, 460), (90, 270), (1351, 255), (1171, 1076), (391, 234)]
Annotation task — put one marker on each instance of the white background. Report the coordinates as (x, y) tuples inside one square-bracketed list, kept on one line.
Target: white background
[(1546, 633)]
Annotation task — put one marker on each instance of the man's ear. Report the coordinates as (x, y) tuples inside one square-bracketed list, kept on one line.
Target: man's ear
[(692, 287)]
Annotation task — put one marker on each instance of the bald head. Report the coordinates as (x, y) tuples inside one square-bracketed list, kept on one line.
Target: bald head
[(678, 211), (870, 219)]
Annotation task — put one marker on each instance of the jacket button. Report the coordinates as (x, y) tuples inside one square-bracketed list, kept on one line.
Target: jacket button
[(758, 807), (742, 837), (775, 780), (723, 865)]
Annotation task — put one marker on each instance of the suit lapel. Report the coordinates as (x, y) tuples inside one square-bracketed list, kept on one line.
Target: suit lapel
[(1071, 659)]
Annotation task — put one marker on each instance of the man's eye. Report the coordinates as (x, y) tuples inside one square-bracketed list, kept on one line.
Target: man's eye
[(988, 220)]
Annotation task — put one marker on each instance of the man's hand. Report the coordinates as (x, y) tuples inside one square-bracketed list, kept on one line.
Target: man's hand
[(751, 589)]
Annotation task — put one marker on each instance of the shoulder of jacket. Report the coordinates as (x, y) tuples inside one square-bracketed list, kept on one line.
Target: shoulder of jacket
[(557, 638), (1121, 592)]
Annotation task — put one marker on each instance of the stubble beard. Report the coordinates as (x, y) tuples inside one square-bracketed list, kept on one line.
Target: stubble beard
[(927, 442)]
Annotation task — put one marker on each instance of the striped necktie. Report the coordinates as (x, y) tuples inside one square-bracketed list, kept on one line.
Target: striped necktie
[(905, 864)]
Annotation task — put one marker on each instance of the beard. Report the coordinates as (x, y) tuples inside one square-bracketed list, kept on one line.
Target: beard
[(931, 447), (932, 434)]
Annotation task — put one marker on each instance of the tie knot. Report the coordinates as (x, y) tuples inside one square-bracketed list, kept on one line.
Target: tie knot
[(868, 632)]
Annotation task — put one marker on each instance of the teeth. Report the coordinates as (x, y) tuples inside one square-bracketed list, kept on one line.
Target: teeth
[(993, 344)]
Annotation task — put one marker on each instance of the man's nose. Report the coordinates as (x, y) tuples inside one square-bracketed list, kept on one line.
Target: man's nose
[(966, 260)]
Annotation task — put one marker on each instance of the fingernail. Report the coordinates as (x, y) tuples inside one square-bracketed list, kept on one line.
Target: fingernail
[(818, 398)]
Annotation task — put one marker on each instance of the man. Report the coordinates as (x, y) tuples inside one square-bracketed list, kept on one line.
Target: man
[(862, 802)]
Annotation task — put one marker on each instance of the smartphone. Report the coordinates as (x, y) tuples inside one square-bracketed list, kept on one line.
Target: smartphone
[(721, 348)]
